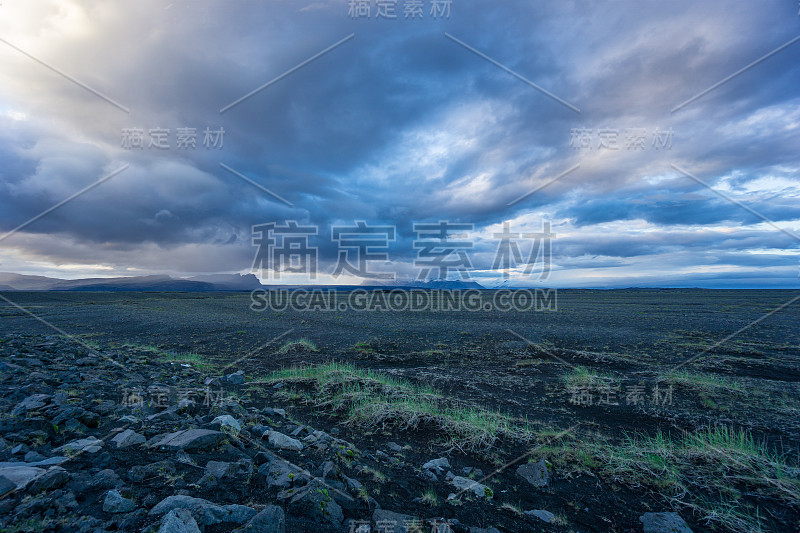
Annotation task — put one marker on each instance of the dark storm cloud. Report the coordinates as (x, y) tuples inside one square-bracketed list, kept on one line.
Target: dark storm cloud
[(624, 245), (698, 208), (397, 125)]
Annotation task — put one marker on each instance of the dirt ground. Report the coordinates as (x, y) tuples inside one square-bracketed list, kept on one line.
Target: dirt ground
[(657, 361)]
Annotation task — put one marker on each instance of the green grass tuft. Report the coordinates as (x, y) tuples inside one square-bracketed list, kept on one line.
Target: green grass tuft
[(582, 377), (703, 381), (370, 399), (709, 470), (430, 498), (301, 345), (194, 359)]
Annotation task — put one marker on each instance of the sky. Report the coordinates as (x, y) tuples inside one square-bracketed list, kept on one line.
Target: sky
[(594, 118)]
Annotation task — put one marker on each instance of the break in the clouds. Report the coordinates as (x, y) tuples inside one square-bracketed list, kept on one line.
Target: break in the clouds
[(403, 123)]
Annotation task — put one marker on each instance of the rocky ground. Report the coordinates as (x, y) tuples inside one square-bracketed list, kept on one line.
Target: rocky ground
[(100, 440)]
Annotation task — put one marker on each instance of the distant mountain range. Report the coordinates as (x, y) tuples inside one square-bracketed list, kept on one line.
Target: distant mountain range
[(222, 282), (430, 284), (209, 283)]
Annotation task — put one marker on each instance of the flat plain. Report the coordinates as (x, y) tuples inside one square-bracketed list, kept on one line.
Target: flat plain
[(684, 401)]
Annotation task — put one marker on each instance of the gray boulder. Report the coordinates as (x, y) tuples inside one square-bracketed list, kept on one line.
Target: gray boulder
[(314, 501), (116, 503), (88, 445), (20, 474), (258, 430), (20, 449), (106, 479), (437, 465), (55, 477), (168, 415), (393, 446), (469, 485), (216, 471), (319, 439), (6, 486), (227, 421), (179, 521), (284, 442), (237, 378), (535, 473), (139, 473), (205, 512), (220, 469), (239, 514), (541, 514), (270, 520), (389, 521), (664, 523), (128, 438), (50, 461), (31, 403), (282, 474), (429, 476), (353, 484), (191, 439), (33, 457)]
